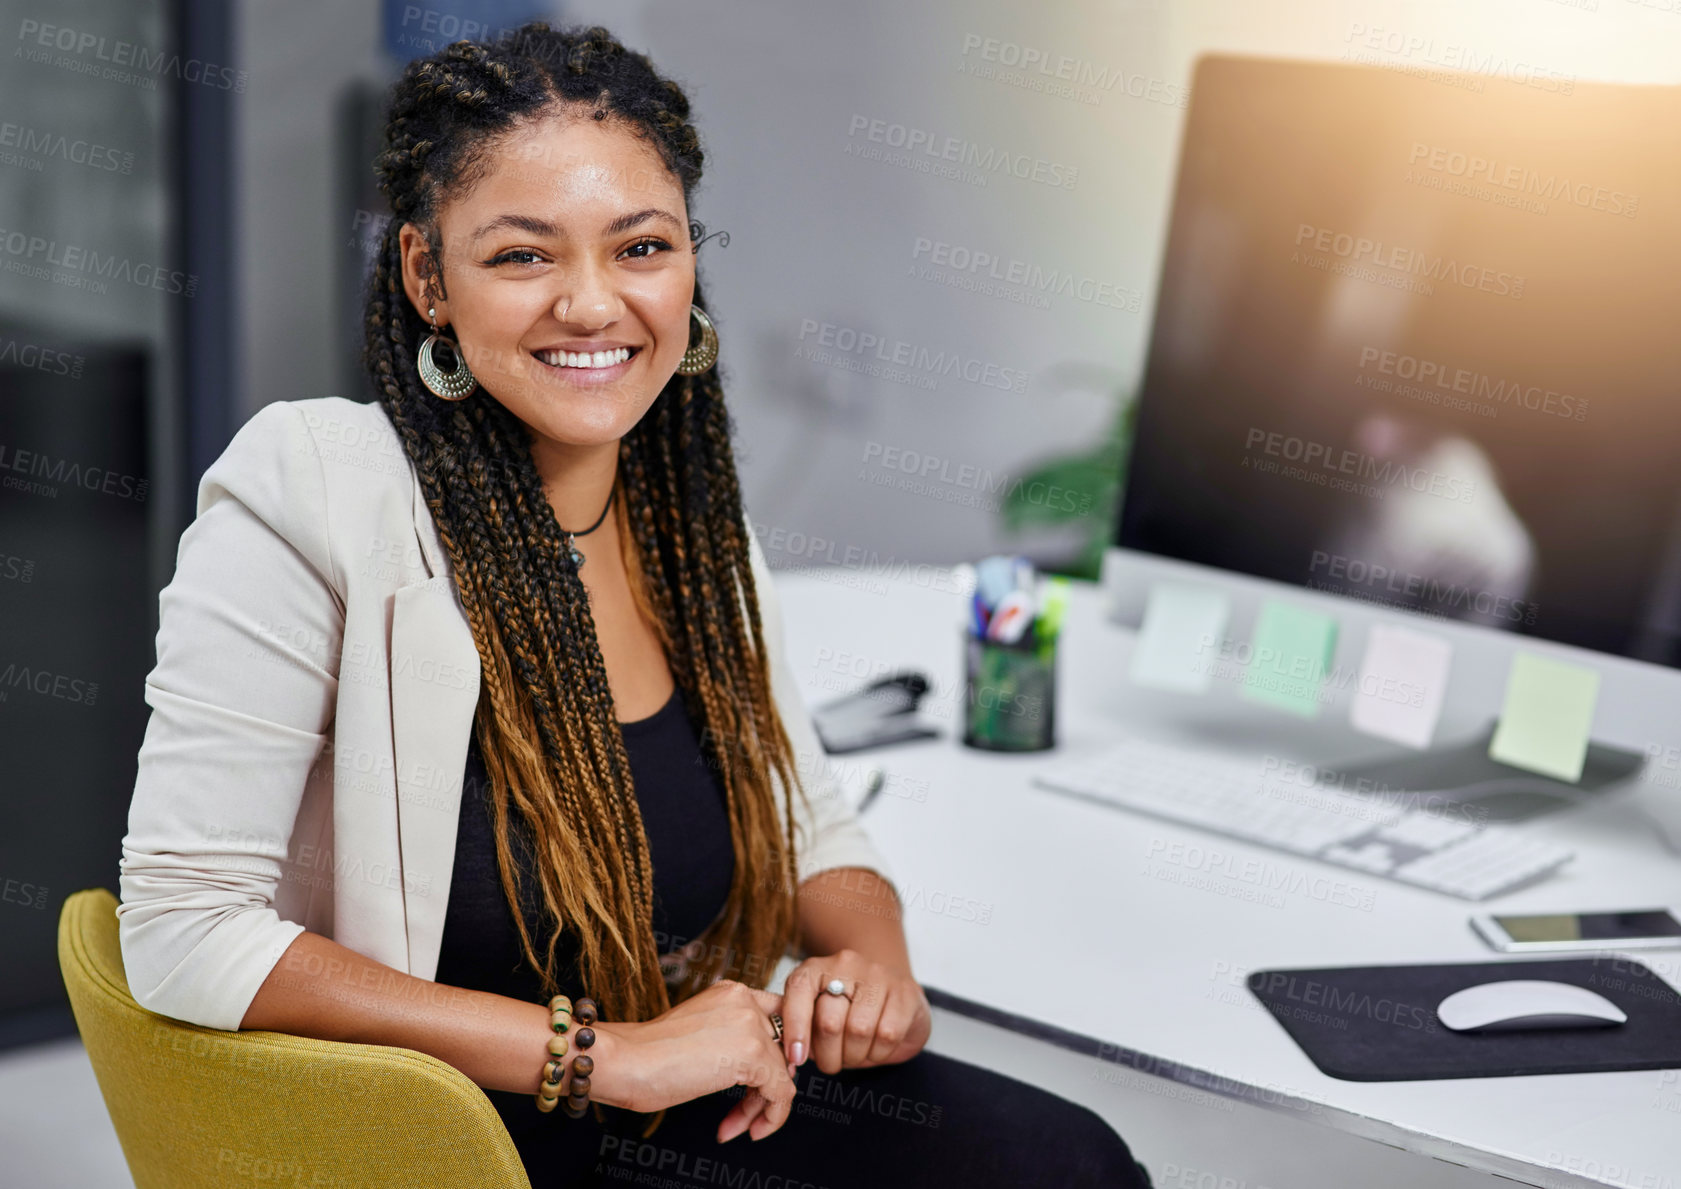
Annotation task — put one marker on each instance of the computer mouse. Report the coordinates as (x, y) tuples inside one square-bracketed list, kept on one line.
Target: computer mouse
[(1527, 1003)]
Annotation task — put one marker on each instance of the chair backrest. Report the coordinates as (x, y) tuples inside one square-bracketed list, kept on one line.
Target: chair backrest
[(202, 1107)]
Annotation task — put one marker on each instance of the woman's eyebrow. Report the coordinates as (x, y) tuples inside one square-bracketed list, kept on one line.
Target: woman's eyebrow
[(539, 226)]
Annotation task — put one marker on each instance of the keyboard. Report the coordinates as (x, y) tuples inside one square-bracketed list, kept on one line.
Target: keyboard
[(1371, 833)]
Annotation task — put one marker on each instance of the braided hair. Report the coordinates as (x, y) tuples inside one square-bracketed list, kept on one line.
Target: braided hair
[(545, 722)]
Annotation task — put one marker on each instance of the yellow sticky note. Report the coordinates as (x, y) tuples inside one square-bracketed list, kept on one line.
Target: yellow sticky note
[(1548, 714)]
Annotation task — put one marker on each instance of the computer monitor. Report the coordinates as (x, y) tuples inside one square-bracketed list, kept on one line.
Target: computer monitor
[(1417, 343)]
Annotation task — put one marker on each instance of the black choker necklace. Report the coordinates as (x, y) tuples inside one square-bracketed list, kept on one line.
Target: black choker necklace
[(577, 557)]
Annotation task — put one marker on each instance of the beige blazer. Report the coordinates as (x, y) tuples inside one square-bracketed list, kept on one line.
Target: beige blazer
[(310, 713)]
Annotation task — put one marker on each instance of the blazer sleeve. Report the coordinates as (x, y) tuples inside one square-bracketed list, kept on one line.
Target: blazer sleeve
[(827, 833), (242, 698)]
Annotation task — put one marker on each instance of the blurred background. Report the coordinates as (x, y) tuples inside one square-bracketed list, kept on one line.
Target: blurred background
[(187, 205)]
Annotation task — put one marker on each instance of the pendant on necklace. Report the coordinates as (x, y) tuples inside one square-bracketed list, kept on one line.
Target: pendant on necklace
[(571, 548)]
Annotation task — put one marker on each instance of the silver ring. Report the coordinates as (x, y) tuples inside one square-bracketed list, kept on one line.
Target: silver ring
[(836, 987), (776, 1023)]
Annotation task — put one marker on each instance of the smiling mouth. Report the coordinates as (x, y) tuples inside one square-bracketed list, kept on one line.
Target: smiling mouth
[(587, 360)]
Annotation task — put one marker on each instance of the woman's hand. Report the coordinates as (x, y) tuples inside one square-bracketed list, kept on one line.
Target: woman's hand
[(886, 1020), (717, 1038)]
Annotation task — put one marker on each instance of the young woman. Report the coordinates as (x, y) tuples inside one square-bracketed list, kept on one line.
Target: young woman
[(530, 557)]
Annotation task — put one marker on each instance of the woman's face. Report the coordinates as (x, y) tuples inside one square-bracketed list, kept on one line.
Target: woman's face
[(575, 241)]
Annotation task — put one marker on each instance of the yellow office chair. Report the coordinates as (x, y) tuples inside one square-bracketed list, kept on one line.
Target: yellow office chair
[(204, 1107)]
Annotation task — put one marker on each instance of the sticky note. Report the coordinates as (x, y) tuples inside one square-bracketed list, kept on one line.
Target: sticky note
[(1548, 713), (1179, 641), (1403, 681), (1288, 655)]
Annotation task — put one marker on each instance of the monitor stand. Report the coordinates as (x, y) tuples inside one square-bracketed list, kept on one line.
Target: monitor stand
[(1463, 774)]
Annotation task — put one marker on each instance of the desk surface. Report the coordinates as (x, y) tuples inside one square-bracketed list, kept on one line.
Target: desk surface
[(1107, 925)]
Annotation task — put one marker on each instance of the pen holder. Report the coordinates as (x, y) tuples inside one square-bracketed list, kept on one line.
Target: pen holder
[(1009, 694)]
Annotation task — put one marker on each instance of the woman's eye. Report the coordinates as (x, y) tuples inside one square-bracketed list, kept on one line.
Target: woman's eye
[(653, 244), (515, 256)]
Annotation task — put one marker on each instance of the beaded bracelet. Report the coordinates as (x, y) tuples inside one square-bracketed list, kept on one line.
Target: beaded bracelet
[(554, 1068)]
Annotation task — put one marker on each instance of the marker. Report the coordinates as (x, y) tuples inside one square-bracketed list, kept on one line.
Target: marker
[(1056, 605), (1012, 618)]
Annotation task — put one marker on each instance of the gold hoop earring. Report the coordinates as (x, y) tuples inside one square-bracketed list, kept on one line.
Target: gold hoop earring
[(704, 353), (457, 383)]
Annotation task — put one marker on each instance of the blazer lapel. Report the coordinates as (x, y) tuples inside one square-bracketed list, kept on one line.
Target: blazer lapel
[(434, 692)]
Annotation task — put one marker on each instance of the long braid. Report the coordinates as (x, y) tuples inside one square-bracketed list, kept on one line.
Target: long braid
[(545, 722)]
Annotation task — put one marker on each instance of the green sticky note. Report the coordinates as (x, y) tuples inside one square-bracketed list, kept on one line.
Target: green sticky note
[(1288, 656), (1548, 713)]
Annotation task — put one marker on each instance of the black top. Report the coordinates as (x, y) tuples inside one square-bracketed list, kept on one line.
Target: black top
[(686, 821)]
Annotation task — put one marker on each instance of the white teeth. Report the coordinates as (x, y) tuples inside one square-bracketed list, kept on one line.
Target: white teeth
[(585, 358)]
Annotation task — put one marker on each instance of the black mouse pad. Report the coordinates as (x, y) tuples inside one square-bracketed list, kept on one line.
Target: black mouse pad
[(1378, 1023)]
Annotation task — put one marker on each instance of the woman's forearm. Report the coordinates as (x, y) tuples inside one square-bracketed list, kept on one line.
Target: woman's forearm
[(853, 908), (325, 990)]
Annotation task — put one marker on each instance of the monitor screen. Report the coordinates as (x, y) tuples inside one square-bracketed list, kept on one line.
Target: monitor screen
[(1418, 342)]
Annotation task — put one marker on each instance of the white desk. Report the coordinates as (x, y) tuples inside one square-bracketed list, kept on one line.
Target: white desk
[(1039, 904)]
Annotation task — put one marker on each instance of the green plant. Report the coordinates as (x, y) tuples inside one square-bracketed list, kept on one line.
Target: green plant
[(1094, 480)]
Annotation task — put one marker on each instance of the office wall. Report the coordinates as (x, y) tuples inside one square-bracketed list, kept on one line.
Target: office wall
[(85, 393), (84, 165), (300, 55), (846, 455)]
